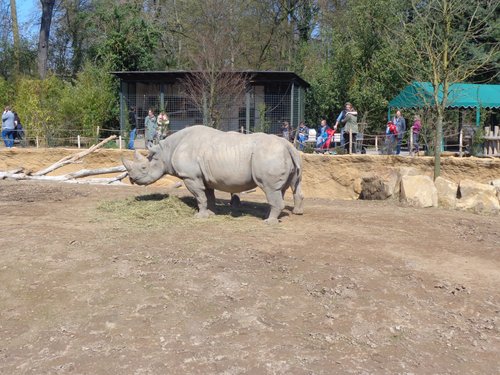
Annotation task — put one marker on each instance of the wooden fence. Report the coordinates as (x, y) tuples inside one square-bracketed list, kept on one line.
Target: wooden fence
[(492, 141)]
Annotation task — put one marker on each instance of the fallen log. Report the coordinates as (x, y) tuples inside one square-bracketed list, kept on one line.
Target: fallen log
[(71, 177), (93, 172), (73, 158)]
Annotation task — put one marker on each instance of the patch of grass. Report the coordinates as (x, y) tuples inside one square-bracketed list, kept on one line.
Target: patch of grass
[(150, 210)]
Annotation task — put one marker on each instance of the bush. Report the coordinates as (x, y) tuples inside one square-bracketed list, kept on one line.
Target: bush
[(37, 103)]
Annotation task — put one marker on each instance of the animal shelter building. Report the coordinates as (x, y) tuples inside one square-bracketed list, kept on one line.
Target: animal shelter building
[(269, 98)]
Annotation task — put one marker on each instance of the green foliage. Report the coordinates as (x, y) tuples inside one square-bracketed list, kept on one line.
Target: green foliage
[(263, 124), (122, 36), (37, 102), (6, 93), (478, 142), (323, 95), (308, 148), (91, 102)]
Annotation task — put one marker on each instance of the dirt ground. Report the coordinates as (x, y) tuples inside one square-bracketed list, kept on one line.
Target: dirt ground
[(350, 287)]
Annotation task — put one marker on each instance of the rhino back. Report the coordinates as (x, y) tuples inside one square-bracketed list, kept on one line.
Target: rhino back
[(225, 162)]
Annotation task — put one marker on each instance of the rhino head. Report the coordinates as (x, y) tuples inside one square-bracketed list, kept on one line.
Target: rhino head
[(145, 170)]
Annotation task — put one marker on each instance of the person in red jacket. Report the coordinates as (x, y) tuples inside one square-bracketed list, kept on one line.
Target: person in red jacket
[(391, 137)]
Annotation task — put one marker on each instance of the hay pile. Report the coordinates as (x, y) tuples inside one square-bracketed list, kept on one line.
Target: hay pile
[(153, 210)]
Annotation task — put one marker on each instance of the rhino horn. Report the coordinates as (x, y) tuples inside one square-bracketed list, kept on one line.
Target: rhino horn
[(139, 157), (128, 164)]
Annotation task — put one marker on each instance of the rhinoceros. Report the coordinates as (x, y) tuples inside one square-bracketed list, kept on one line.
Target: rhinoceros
[(207, 159)]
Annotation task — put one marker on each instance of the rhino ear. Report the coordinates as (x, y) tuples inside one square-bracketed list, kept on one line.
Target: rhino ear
[(139, 157), (153, 149)]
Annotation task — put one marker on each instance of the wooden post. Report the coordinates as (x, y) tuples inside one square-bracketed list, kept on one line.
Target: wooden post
[(120, 142), (460, 142), (486, 143), (411, 141), (350, 141), (376, 143), (37, 143), (78, 141), (496, 142)]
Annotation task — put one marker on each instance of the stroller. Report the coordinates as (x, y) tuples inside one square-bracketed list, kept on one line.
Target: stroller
[(19, 135)]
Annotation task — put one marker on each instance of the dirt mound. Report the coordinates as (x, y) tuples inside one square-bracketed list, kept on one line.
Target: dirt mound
[(324, 176)]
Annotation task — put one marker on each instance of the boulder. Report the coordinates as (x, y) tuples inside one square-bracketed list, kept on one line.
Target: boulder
[(418, 191), (496, 184), (378, 186), (404, 171), (478, 197), (447, 192)]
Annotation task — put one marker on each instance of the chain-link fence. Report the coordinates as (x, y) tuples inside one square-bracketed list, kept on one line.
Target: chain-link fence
[(259, 109)]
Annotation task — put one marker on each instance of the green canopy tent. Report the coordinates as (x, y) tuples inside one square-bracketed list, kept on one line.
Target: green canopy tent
[(460, 95)]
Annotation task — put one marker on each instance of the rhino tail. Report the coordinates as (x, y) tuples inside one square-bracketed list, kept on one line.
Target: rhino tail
[(297, 162)]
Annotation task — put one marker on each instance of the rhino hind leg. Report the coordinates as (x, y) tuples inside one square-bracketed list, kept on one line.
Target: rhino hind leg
[(200, 193), (298, 197), (210, 194), (275, 199), (235, 201)]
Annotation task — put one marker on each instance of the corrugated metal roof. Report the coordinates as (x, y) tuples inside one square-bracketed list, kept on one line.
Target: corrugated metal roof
[(256, 76)]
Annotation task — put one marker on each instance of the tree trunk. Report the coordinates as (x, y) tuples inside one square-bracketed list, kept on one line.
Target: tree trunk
[(15, 33), (438, 145), (43, 41)]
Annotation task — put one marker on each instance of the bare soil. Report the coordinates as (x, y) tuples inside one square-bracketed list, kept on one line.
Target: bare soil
[(350, 287)]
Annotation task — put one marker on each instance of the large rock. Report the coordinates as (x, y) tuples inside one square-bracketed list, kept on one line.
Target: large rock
[(418, 191), (379, 186), (447, 192), (404, 171), (478, 198), (496, 184)]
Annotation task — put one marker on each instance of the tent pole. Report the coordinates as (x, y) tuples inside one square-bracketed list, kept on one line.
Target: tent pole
[(478, 115)]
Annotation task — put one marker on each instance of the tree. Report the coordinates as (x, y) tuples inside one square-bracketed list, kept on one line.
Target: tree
[(214, 88), (121, 34), (438, 43), (43, 41), (15, 33)]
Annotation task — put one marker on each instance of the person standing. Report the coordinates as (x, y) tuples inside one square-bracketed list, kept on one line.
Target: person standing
[(341, 116), (286, 130), (400, 123), (163, 122), (8, 127), (350, 122), (415, 133), (302, 135), (150, 126), (322, 136), (391, 134), (132, 121)]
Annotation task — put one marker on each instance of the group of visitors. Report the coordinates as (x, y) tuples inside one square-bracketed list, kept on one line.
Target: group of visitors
[(348, 119), (11, 127), (155, 128), (395, 131)]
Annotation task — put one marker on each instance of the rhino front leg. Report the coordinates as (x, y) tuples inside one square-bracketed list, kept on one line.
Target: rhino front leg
[(197, 188), (275, 199)]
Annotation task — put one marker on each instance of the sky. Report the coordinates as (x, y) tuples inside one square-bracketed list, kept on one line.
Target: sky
[(28, 16)]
